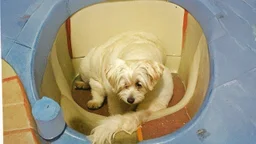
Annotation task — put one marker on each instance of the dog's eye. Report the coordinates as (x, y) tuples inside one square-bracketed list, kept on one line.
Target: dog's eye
[(138, 85), (126, 86)]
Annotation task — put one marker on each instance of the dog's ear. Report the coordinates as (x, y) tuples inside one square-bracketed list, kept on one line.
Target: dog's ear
[(154, 71), (113, 73)]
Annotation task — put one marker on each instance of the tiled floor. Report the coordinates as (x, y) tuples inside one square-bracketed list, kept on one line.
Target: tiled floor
[(19, 127)]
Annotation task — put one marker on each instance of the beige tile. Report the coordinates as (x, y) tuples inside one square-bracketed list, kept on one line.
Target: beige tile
[(15, 118), (173, 63), (76, 64), (7, 70), (90, 27), (12, 93), (22, 137)]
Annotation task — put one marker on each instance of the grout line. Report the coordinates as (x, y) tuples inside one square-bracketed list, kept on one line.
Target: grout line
[(18, 43), (79, 57), (174, 55), (13, 104), (17, 131), (9, 78)]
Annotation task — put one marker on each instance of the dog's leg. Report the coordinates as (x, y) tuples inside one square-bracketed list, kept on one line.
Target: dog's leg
[(128, 122), (98, 95), (81, 83)]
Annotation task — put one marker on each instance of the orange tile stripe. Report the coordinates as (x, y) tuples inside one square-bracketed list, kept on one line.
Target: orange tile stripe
[(17, 131), (139, 134), (35, 138), (9, 78), (184, 28), (68, 31)]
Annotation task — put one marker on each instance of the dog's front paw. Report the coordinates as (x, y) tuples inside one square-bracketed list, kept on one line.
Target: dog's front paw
[(81, 85), (94, 104), (103, 134)]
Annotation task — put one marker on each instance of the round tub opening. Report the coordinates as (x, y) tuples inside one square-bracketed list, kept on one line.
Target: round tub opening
[(186, 51)]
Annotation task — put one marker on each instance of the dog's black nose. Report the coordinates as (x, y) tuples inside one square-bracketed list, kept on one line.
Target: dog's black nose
[(130, 100)]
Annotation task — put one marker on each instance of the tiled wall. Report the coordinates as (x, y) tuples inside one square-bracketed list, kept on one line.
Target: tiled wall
[(19, 126), (94, 25)]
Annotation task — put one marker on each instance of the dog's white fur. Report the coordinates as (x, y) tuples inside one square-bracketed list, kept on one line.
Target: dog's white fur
[(129, 65)]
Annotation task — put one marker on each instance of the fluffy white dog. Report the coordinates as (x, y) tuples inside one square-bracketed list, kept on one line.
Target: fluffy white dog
[(129, 70)]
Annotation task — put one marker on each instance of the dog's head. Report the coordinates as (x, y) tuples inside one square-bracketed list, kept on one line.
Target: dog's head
[(131, 80)]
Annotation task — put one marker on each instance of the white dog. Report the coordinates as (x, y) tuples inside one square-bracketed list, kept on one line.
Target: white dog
[(129, 70)]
